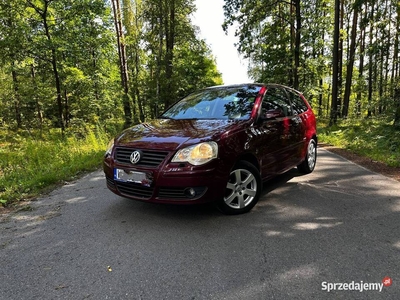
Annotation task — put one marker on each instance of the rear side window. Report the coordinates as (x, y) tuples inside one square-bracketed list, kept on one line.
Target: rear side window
[(298, 103), (277, 99)]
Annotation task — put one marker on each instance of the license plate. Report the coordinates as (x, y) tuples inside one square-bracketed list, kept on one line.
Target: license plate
[(132, 176)]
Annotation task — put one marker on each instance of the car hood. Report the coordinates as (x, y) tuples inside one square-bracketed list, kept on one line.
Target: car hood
[(169, 134)]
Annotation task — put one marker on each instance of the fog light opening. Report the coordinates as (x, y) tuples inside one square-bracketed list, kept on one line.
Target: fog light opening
[(190, 192)]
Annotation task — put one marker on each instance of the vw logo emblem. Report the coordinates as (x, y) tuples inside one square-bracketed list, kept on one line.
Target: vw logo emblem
[(135, 157)]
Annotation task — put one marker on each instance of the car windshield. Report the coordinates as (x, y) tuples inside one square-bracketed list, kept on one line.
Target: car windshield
[(215, 103)]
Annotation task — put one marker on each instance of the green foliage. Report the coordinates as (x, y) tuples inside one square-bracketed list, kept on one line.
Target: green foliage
[(291, 42), (59, 62), (195, 68), (73, 37), (375, 138), (187, 57)]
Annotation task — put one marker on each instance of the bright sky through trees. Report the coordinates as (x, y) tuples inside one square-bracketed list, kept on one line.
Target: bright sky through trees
[(209, 17)]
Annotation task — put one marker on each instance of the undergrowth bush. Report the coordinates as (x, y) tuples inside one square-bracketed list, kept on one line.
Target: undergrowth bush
[(32, 161), (375, 138)]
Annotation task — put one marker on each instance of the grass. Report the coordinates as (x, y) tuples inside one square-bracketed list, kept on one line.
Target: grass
[(29, 165), (375, 138)]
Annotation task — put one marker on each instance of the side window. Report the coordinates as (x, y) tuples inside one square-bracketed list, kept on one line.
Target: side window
[(298, 103), (276, 100)]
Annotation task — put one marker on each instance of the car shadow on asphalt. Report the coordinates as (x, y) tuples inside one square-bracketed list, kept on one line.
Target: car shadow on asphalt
[(278, 181), (208, 210)]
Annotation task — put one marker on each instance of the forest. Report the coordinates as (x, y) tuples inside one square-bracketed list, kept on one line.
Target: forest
[(74, 72), (344, 55), (72, 63), (66, 63)]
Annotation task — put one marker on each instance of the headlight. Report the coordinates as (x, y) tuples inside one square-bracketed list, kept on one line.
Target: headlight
[(109, 148), (197, 154)]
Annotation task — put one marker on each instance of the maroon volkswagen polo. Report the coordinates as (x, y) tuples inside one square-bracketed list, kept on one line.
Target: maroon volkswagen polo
[(218, 144)]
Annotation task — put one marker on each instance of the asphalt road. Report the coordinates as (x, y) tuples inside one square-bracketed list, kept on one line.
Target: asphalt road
[(340, 224)]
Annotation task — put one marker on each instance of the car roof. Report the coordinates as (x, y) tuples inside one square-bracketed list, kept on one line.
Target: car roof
[(268, 85), (234, 85)]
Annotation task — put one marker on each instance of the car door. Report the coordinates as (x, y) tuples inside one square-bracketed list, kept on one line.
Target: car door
[(298, 121), (272, 132), (285, 118)]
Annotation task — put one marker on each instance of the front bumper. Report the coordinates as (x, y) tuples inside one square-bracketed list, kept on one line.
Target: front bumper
[(172, 183)]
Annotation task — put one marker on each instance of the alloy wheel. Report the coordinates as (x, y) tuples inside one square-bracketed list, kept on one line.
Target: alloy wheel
[(241, 189)]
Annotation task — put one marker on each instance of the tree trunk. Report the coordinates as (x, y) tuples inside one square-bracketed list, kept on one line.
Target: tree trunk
[(321, 80), (297, 46), (159, 58), (395, 67), (370, 63), (66, 108), (170, 43), (361, 65), (292, 43), (58, 84), (350, 64), (122, 62), (396, 122), (35, 96), (396, 58), (335, 65), (95, 83), (383, 48), (43, 12), (386, 68), (17, 98), (137, 91), (340, 61)]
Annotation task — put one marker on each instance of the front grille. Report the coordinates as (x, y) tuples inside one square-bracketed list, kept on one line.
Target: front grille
[(150, 158), (134, 190), (179, 192)]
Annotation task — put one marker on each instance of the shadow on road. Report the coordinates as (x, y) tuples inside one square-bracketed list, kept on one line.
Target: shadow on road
[(339, 224)]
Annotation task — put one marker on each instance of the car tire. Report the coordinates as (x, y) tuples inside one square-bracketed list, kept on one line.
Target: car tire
[(308, 164), (242, 190)]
